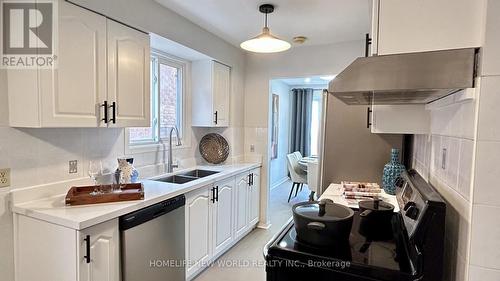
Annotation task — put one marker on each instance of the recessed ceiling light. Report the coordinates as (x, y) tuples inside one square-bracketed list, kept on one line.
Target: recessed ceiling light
[(307, 80), (327, 77), (265, 42)]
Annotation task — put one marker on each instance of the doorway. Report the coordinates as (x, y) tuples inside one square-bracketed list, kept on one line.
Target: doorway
[(295, 125)]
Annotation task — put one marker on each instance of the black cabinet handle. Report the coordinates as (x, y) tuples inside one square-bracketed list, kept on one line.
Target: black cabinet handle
[(113, 106), (368, 42), (105, 105), (217, 193), (368, 112), (213, 195), (215, 121), (87, 246)]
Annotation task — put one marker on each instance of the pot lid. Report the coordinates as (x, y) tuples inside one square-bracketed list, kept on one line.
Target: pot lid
[(376, 204), (324, 211)]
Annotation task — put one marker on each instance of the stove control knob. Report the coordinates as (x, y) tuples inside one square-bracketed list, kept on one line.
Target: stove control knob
[(412, 212), (408, 205)]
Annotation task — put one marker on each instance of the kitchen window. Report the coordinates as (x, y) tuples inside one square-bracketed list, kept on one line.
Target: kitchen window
[(167, 96)]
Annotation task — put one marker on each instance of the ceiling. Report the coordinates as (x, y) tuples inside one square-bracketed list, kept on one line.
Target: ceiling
[(322, 21)]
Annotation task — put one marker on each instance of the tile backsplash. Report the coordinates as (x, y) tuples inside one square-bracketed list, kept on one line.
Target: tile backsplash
[(445, 159)]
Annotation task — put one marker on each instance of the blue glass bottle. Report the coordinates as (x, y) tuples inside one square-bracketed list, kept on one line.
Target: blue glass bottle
[(392, 170)]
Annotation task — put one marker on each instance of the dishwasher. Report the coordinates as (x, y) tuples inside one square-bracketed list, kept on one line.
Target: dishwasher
[(152, 242)]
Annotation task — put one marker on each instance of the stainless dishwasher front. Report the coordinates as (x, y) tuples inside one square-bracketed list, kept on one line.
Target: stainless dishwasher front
[(152, 242)]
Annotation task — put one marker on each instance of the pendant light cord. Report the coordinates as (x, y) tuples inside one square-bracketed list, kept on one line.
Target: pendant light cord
[(266, 20)]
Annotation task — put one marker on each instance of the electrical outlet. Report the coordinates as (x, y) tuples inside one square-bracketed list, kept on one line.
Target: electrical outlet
[(73, 166), (5, 177)]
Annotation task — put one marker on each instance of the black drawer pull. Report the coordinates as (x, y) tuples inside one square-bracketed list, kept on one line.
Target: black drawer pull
[(105, 105), (87, 248), (113, 106)]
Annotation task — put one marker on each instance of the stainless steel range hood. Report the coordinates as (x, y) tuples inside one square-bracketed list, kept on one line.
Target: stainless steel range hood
[(414, 78)]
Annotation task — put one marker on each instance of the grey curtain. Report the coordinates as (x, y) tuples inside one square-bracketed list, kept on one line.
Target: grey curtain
[(301, 121)]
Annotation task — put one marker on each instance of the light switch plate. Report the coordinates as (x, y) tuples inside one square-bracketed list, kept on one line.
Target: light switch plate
[(252, 148), (73, 166), (5, 177)]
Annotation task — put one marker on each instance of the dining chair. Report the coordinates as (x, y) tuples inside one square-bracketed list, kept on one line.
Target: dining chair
[(298, 176), (298, 155)]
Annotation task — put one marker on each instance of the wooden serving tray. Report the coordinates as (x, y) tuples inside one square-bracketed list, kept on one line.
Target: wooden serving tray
[(81, 195)]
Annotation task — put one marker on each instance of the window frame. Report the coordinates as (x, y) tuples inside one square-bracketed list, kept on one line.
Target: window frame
[(157, 143)]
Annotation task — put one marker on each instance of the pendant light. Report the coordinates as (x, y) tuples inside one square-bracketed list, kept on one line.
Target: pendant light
[(265, 42)]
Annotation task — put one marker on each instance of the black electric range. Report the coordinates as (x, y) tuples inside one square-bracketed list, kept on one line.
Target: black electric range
[(414, 252)]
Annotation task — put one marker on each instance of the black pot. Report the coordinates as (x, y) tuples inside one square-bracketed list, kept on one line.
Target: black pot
[(322, 223), (376, 219)]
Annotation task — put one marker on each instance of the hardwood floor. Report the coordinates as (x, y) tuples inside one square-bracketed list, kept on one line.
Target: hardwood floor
[(245, 260)]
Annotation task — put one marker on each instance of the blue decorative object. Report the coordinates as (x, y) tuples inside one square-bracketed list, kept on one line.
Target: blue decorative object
[(126, 173), (392, 170)]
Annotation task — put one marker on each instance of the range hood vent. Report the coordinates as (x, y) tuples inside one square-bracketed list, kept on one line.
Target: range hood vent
[(413, 78)]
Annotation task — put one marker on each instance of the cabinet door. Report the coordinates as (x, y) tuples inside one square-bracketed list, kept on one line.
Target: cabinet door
[(221, 90), (128, 75), (400, 119), (254, 197), (241, 208), (104, 264), (223, 215), (72, 91), (428, 25), (198, 229)]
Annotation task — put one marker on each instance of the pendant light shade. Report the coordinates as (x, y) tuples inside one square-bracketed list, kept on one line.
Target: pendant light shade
[(265, 42)]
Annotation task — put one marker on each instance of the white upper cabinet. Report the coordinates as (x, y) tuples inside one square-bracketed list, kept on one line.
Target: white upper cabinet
[(426, 25), (490, 56), (99, 62), (211, 87), (128, 75), (69, 93), (400, 119)]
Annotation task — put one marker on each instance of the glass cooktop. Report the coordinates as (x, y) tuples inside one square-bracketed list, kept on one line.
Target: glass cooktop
[(358, 251)]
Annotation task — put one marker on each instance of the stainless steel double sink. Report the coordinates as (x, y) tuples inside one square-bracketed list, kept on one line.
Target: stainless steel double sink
[(187, 176)]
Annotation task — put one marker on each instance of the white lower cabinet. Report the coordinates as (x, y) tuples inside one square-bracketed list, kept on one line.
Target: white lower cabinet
[(222, 215), (241, 212), (218, 216), (198, 229), (99, 260), (254, 197), (64, 254)]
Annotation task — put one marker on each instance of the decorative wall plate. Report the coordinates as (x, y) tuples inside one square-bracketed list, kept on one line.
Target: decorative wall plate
[(214, 148)]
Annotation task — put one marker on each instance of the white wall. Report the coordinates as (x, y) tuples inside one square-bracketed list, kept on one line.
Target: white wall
[(278, 166), (485, 246), (38, 156), (297, 62)]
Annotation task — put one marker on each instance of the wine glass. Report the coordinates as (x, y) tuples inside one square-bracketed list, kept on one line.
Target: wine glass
[(95, 170)]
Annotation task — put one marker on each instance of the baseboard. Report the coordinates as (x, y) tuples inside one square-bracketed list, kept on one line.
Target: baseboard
[(280, 182), (264, 225)]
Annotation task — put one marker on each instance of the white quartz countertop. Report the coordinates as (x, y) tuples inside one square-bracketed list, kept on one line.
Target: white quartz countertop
[(334, 192), (54, 210)]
